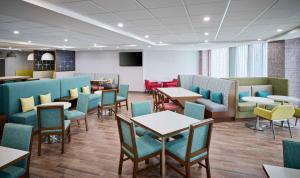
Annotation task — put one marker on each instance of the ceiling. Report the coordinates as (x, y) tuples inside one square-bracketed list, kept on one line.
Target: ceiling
[(170, 24)]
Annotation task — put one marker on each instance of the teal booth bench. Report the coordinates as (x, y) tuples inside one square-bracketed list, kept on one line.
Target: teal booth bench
[(11, 93)]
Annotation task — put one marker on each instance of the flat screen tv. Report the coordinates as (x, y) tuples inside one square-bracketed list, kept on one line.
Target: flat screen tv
[(131, 58)]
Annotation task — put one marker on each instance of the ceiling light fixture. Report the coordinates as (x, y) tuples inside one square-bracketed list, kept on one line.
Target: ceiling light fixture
[(206, 33), (160, 42), (206, 19), (99, 46), (16, 32), (47, 57), (120, 25), (66, 40), (146, 36), (30, 57), (279, 30), (206, 41), (132, 45)]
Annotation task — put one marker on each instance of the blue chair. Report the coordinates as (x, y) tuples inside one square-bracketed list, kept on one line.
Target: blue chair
[(123, 95), (51, 121), (81, 110), (108, 101), (139, 109), (135, 148), (291, 153), (19, 137), (194, 149)]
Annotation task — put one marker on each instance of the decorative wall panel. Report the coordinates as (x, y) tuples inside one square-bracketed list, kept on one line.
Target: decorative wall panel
[(65, 60), (40, 65)]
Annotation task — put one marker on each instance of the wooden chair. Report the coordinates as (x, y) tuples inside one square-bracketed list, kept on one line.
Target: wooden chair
[(136, 149), (17, 136), (193, 149), (123, 95), (108, 101), (51, 122), (161, 103)]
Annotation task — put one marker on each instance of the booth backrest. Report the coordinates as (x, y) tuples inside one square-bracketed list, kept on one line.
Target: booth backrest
[(12, 92), (74, 82)]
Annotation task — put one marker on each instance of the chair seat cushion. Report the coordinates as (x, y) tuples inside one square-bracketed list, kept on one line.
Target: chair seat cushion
[(178, 147), (145, 146), (246, 106), (170, 106), (66, 125), (211, 106), (12, 172), (74, 115), (121, 98), (141, 132), (94, 97), (28, 118)]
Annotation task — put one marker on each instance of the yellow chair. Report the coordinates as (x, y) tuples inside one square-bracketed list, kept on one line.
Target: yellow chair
[(279, 113), (297, 115)]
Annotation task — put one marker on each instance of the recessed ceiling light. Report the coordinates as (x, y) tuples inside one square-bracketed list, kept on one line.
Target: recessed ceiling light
[(66, 40), (206, 41), (279, 30), (131, 45), (120, 24), (160, 42), (16, 32), (29, 41), (146, 36), (206, 19), (206, 33), (258, 39)]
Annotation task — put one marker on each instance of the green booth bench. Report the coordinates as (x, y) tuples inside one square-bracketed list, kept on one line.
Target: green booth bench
[(11, 93), (252, 85)]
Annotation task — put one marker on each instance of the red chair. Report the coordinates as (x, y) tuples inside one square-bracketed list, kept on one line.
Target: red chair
[(172, 83), (150, 86)]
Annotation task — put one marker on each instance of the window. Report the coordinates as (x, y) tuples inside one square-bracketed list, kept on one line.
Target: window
[(219, 63)]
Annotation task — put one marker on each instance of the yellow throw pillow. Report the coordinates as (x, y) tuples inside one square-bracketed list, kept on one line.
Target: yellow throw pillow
[(74, 93), (86, 90), (45, 98), (27, 104), (110, 81)]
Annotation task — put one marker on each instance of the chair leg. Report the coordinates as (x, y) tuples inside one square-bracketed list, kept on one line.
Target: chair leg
[(273, 130), (39, 144), (62, 143), (296, 121), (207, 168), (147, 161), (160, 164), (69, 132), (98, 112), (121, 163), (187, 171), (135, 169), (78, 123), (86, 124), (288, 122), (127, 104)]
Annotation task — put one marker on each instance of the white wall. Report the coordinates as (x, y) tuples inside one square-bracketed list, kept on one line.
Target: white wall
[(17, 63), (163, 65), (157, 65), (108, 62)]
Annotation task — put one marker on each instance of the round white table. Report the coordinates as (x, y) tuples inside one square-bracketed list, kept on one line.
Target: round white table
[(66, 105), (99, 92), (282, 99), (258, 100)]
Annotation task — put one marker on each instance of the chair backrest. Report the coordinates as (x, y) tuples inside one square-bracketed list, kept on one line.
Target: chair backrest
[(194, 110), (291, 153), (199, 139), (141, 108), (18, 136), (126, 134), (283, 112), (82, 102), (108, 97), (50, 118), (123, 90)]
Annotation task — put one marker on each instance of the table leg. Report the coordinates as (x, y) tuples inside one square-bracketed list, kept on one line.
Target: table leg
[(163, 157), (256, 126)]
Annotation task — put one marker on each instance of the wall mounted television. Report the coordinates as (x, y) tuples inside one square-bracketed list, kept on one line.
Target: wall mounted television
[(131, 58)]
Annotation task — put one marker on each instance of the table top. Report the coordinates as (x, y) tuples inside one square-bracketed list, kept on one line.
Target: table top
[(284, 98), (165, 123), (258, 100), (100, 80), (14, 78), (99, 92), (178, 92), (280, 172), (9, 156), (66, 105)]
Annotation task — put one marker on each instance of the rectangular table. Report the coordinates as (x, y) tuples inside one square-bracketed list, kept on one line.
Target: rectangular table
[(164, 124), (179, 94), (9, 156), (13, 78), (280, 172)]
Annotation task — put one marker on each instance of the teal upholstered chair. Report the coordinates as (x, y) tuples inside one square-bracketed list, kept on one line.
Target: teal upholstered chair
[(135, 148), (123, 95), (81, 110), (19, 137), (138, 109), (108, 101), (291, 153), (194, 149), (51, 121)]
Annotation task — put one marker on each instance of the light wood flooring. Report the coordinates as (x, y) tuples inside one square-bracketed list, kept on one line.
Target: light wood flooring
[(236, 151)]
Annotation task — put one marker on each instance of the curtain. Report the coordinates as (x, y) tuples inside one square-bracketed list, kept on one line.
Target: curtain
[(238, 57), (257, 60), (219, 63)]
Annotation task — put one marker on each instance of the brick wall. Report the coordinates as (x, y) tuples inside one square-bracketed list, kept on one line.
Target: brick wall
[(276, 55)]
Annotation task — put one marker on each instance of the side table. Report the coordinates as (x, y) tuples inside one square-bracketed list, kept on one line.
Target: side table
[(73, 101)]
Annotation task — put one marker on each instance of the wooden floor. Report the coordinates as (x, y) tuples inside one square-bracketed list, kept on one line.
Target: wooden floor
[(236, 151)]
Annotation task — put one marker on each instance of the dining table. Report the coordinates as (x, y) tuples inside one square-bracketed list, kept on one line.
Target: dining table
[(10, 156), (170, 124), (67, 105), (280, 172)]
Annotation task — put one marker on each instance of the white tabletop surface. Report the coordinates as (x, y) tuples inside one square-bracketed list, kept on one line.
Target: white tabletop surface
[(164, 123), (9, 156), (285, 98), (258, 100), (281, 172), (99, 92), (66, 105), (176, 92)]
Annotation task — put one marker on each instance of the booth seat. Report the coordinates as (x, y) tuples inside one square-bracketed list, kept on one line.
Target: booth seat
[(252, 85), (219, 111)]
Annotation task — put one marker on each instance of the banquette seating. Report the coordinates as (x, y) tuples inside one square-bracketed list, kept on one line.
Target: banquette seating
[(12, 92), (211, 88)]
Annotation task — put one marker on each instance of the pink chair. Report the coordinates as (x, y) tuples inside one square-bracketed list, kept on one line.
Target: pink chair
[(172, 83), (150, 86)]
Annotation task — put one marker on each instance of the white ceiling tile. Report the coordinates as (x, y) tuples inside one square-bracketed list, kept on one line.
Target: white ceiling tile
[(153, 4), (134, 15), (85, 7), (169, 12), (119, 5)]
